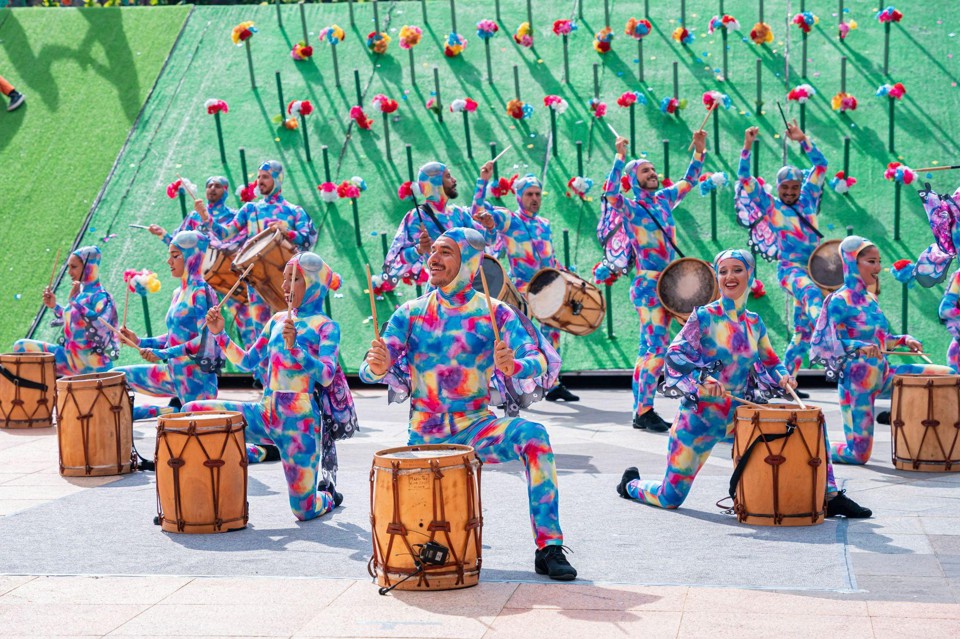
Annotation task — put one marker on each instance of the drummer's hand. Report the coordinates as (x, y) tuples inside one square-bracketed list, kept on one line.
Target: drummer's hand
[(201, 210), (787, 382), (75, 290), (503, 358), (484, 218), (289, 333), (750, 136), (149, 355), (424, 243), (486, 171), (795, 133), (49, 299), (913, 344), (712, 388), (378, 357), (157, 230), (215, 320), (700, 141), (871, 351), (130, 335), (278, 225), (621, 144)]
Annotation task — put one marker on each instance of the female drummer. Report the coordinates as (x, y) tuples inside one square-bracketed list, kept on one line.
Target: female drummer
[(850, 337), (298, 351), (179, 369), (86, 346), (723, 349)]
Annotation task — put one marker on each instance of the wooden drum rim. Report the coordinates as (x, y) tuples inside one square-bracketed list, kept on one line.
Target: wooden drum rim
[(714, 296)]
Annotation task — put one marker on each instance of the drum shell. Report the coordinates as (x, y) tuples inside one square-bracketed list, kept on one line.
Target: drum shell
[(413, 485), (827, 252), (219, 273), (925, 423), (796, 494), (664, 297), (22, 407), (95, 425), (507, 292), (267, 273), (201, 463), (584, 321)]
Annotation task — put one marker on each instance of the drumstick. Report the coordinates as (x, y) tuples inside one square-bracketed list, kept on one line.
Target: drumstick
[(187, 188), (234, 288), (122, 337), (612, 130), (53, 272), (500, 155), (486, 293), (783, 116), (126, 304), (139, 226), (373, 305), (913, 353), (793, 393), (746, 401), (927, 169), (704, 123)]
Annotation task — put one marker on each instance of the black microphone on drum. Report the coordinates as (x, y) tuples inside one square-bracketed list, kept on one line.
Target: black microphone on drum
[(428, 554)]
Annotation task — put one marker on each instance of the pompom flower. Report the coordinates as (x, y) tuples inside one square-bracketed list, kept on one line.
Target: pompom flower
[(358, 116), (715, 100), (671, 105), (631, 97), (502, 187), (297, 108), (455, 45), (174, 188), (841, 183), (603, 274), (556, 103), (216, 106), (519, 110), (463, 104), (384, 104), (243, 32), (328, 192), (805, 21), (896, 91), (725, 21), (761, 33), (902, 271), (409, 36), (843, 102), (332, 35), (301, 51), (579, 186), (564, 27), (801, 93), (141, 282), (681, 35), (486, 29), (889, 15), (602, 40), (409, 191), (846, 27), (757, 289), (901, 173), (599, 108), (524, 35), (433, 106), (638, 29), (350, 189), (247, 193), (712, 182), (378, 42)]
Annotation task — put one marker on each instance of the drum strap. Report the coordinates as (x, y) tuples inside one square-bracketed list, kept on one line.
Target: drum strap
[(16, 380), (665, 234), (742, 464), (804, 221)]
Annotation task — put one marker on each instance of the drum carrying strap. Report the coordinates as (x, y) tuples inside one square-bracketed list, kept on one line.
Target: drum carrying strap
[(662, 230), (804, 221), (16, 380), (742, 464)]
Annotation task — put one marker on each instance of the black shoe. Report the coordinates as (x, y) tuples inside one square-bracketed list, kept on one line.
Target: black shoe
[(883, 417), (324, 487), (651, 421), (550, 561), (801, 394), (175, 403), (628, 476), (843, 505), (156, 520), (559, 393), (273, 453), (16, 99)]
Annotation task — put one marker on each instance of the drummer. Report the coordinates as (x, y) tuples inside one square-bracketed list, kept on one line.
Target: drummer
[(649, 225), (217, 190), (529, 247), (447, 340), (784, 227), (270, 212), (850, 337), (87, 346), (432, 215), (723, 349)]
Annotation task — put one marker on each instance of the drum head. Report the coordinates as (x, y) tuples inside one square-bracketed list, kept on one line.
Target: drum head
[(546, 293), (825, 266), (415, 452), (493, 271), (257, 246), (686, 284), (209, 260)]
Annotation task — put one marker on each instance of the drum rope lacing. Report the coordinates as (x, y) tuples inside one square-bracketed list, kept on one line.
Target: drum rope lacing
[(85, 418), (20, 383), (929, 424)]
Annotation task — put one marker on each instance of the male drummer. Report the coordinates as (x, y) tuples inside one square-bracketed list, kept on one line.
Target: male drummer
[(529, 247), (271, 212), (406, 259), (648, 221), (784, 227), (447, 340)]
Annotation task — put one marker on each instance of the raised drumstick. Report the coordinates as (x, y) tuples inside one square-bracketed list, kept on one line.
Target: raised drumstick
[(486, 293), (927, 169), (293, 285), (186, 188), (126, 304), (234, 288), (612, 130), (704, 123), (53, 272), (500, 155), (122, 337), (373, 305)]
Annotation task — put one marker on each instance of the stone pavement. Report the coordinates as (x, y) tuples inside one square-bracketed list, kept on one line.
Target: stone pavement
[(895, 575)]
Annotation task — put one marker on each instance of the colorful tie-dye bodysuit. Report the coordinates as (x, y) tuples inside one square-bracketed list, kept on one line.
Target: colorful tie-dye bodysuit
[(950, 315)]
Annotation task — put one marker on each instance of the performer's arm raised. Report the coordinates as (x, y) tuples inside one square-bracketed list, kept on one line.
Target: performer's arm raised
[(678, 191), (611, 186), (812, 187)]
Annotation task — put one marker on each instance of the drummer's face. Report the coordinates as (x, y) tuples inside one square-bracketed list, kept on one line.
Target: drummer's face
[(449, 185), (647, 177), (733, 278), (265, 182), (789, 192), (531, 199), (214, 192), (444, 262), (175, 261), (75, 268), (298, 288), (868, 263)]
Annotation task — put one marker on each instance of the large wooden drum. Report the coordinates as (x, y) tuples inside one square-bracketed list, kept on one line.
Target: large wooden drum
[(565, 301), (269, 252), (499, 284), (781, 453), (685, 284), (925, 423), (420, 494), (825, 266), (95, 425), (27, 390), (218, 272), (201, 472)]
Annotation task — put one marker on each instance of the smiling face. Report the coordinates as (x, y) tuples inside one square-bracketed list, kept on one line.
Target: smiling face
[(444, 262), (789, 192), (531, 199), (214, 192), (647, 177), (449, 185), (265, 182), (868, 263), (176, 262), (733, 277), (298, 288), (75, 268)]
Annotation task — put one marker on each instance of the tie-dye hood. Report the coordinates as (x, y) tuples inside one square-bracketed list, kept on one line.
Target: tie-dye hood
[(522, 185), (630, 172), (275, 169), (850, 248), (193, 245), (430, 179), (736, 306), (225, 183), (789, 174), (318, 278), (90, 256), (471, 253)]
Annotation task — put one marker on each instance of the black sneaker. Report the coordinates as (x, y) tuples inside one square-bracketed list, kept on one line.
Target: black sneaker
[(16, 99), (550, 561), (651, 421), (801, 394), (328, 488), (560, 393), (883, 417), (175, 403), (628, 476), (843, 505), (272, 452)]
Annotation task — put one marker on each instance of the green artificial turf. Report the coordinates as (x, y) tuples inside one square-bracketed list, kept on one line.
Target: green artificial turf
[(85, 75), (177, 136)]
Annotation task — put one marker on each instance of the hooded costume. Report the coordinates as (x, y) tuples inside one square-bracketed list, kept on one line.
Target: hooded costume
[(851, 319), (787, 233), (641, 230), (444, 340), (86, 346), (189, 369), (726, 342), (255, 217), (436, 215), (301, 421)]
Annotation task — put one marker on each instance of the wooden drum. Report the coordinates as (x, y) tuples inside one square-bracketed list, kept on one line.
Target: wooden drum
[(925, 422), (565, 301), (685, 284), (218, 272), (95, 425), (27, 390), (269, 252), (825, 266), (420, 494), (780, 455), (500, 285)]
